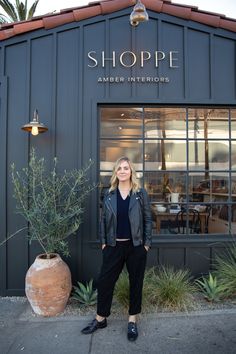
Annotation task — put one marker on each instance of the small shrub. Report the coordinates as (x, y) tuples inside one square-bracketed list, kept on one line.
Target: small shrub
[(85, 294), (225, 271), (210, 287), (174, 288), (149, 296), (121, 292), (166, 287)]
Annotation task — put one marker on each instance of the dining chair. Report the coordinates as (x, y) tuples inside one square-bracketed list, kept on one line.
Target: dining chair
[(186, 218), (191, 218), (208, 213)]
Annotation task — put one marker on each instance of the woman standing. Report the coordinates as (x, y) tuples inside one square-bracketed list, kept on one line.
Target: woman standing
[(125, 232)]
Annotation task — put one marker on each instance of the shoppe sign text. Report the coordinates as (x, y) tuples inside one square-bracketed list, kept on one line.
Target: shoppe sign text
[(129, 59)]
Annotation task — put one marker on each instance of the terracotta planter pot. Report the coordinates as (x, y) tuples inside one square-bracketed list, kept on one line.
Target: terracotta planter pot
[(48, 285)]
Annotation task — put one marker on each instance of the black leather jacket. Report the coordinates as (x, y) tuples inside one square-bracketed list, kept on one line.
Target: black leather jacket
[(139, 217)]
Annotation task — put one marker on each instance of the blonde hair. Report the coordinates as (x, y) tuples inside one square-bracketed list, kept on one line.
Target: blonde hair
[(135, 186)]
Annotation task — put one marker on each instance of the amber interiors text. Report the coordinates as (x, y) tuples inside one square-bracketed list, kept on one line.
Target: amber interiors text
[(136, 79)]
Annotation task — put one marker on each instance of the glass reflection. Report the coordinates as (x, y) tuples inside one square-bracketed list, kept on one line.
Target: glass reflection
[(165, 122), (205, 155), (233, 155), (121, 122), (111, 150), (233, 123), (165, 154), (208, 123)]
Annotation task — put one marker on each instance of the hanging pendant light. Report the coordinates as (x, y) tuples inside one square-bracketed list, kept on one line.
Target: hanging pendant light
[(139, 14), (35, 127)]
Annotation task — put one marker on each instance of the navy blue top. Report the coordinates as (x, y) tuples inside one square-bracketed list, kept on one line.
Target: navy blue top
[(123, 225)]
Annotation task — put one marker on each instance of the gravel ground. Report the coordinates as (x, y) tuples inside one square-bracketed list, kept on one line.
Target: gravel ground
[(75, 309)]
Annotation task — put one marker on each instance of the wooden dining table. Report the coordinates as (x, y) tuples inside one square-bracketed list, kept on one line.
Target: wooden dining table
[(167, 215)]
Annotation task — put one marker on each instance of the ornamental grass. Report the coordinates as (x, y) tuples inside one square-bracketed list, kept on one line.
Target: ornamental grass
[(174, 289), (165, 287), (225, 271)]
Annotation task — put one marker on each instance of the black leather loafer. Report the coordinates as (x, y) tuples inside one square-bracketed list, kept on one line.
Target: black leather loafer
[(132, 333), (94, 325)]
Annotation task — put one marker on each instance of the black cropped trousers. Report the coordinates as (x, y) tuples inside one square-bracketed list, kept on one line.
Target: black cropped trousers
[(114, 259)]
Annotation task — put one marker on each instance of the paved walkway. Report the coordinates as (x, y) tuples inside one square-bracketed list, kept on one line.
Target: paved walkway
[(208, 332)]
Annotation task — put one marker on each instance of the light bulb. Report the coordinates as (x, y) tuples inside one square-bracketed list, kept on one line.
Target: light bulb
[(34, 131)]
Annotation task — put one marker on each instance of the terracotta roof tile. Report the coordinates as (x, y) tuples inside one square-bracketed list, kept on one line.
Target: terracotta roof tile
[(87, 12), (207, 19), (104, 7), (55, 21), (28, 26), (179, 11), (153, 5), (7, 33), (115, 5), (227, 24)]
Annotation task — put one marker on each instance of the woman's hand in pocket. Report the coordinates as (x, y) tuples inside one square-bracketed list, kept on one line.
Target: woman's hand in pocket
[(103, 246)]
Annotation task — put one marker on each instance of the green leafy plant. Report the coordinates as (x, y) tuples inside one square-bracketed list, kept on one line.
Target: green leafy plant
[(17, 11), (51, 202), (225, 271), (85, 294), (210, 287), (174, 288)]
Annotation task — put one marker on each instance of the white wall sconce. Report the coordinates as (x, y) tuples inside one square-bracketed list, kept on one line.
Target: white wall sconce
[(139, 14), (35, 127)]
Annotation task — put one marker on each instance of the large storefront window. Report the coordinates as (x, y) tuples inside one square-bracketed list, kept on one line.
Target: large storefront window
[(184, 157)]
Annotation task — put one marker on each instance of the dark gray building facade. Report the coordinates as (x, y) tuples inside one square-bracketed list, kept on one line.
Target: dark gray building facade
[(163, 93)]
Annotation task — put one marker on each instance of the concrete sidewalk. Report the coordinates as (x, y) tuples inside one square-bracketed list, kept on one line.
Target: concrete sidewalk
[(193, 333)]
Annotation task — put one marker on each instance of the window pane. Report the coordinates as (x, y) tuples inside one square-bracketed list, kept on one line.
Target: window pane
[(233, 154), (199, 187), (233, 123), (121, 122), (184, 177), (165, 122), (233, 136), (233, 189), (208, 123), (233, 186), (209, 187), (205, 155), (188, 219), (219, 220), (165, 154), (104, 184), (220, 187), (159, 186), (111, 150), (105, 177)]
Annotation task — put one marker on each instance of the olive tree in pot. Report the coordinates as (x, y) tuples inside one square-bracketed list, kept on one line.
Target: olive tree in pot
[(52, 204)]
